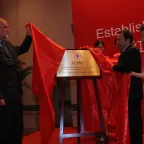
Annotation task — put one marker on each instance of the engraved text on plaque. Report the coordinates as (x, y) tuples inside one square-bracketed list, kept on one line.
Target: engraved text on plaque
[(77, 63)]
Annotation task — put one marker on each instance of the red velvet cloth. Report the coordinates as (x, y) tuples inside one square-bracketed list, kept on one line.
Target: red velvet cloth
[(113, 90), (46, 59), (122, 124), (143, 115), (106, 86)]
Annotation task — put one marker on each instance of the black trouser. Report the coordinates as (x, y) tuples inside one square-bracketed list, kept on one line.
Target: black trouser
[(11, 117), (135, 121), (10, 126)]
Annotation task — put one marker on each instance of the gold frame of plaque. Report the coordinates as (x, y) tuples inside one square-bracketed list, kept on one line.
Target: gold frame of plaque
[(78, 65)]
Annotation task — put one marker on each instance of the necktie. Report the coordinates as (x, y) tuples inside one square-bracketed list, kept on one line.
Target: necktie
[(0, 45), (7, 52)]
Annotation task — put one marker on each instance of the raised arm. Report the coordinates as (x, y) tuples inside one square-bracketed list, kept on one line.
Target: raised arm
[(24, 47)]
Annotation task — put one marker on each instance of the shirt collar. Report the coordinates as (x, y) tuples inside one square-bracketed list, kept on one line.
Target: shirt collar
[(126, 47)]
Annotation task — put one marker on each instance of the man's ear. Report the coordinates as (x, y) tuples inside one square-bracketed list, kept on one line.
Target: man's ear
[(128, 41)]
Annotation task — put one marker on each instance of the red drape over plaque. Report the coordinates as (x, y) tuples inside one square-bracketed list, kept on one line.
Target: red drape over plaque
[(113, 92), (47, 57)]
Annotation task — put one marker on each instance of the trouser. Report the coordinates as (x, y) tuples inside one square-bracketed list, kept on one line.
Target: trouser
[(135, 121), (11, 141), (11, 117), (11, 126)]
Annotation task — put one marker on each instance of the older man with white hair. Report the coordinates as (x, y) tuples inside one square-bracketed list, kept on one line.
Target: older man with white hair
[(11, 113)]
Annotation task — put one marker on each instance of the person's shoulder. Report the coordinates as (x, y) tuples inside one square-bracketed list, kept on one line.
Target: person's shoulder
[(134, 50), (7, 41)]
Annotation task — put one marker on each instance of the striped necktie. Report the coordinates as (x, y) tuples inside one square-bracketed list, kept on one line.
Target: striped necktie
[(0, 45), (6, 50)]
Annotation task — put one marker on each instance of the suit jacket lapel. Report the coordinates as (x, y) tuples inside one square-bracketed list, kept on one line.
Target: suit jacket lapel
[(10, 48), (123, 53), (1, 49), (127, 49)]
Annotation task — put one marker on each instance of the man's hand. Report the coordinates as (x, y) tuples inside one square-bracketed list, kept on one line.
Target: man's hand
[(28, 31), (132, 73), (2, 102)]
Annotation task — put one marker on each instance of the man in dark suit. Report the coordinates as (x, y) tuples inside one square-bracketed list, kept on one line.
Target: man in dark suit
[(141, 29), (11, 113), (130, 60)]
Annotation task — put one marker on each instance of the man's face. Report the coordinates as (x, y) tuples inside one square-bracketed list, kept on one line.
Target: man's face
[(142, 35), (4, 31), (122, 42)]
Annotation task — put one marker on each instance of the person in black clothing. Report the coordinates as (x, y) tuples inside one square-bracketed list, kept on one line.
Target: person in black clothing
[(130, 60), (11, 113), (141, 29), (140, 75)]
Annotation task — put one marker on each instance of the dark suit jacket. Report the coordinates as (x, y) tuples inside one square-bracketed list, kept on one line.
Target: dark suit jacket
[(130, 60), (9, 77)]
